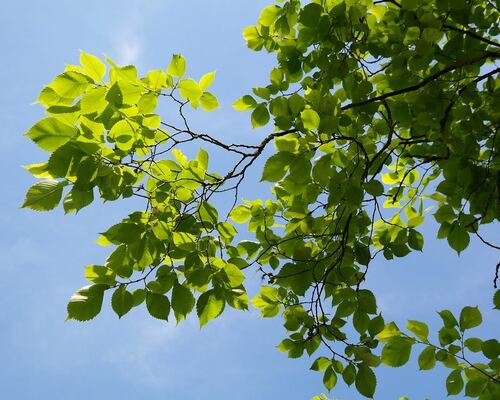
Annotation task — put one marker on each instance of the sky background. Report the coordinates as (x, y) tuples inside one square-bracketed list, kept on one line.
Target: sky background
[(43, 254)]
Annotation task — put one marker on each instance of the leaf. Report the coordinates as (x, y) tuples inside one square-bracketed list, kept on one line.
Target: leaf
[(473, 344), (240, 214), (158, 305), (491, 349), (260, 116), (100, 274), (266, 301), (190, 90), (427, 358), (206, 80), (50, 133), (209, 306), (77, 199), (310, 14), (310, 119), (321, 364), (470, 317), (208, 102), (458, 238), (454, 382), (184, 241), (419, 329), (138, 296), (277, 166), (234, 275), (44, 195), (390, 330), (122, 301), (123, 133), (182, 301), (177, 66), (496, 300), (349, 374), (86, 303), (92, 66), (448, 318), (366, 382), (374, 187), (415, 240), (268, 15), (245, 103), (329, 378), (396, 352)]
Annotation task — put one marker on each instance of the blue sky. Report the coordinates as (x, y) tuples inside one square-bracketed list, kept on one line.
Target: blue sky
[(44, 357)]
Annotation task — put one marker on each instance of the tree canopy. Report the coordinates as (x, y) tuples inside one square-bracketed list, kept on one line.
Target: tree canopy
[(381, 113)]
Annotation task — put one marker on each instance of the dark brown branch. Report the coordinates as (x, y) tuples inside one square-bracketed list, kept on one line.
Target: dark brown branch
[(472, 34), (424, 82)]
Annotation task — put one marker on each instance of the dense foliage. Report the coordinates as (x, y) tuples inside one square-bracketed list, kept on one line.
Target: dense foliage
[(382, 113)]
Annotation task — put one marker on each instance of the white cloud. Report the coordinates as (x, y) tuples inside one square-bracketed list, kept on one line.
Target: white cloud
[(128, 51)]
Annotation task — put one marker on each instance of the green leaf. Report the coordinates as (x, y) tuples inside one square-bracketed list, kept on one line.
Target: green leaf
[(415, 240), (138, 296), (458, 238), (473, 344), (240, 214), (260, 116), (366, 382), (321, 364), (100, 274), (310, 119), (329, 378), (182, 301), (206, 80), (396, 352), (122, 301), (470, 317), (448, 335), (448, 318), (491, 349), (77, 199), (92, 66), (374, 187), (349, 374), (208, 213), (86, 303), (310, 14), (277, 166), (234, 275), (124, 133), (245, 103), (268, 15), (119, 262), (184, 240), (419, 329), (226, 231), (454, 382), (266, 301), (208, 102), (209, 306), (475, 387), (427, 358), (50, 133), (158, 305), (286, 143), (190, 90), (44, 195), (496, 300), (390, 330), (177, 66)]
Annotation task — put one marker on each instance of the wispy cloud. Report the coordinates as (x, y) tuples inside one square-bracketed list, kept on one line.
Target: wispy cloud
[(127, 35), (128, 51)]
